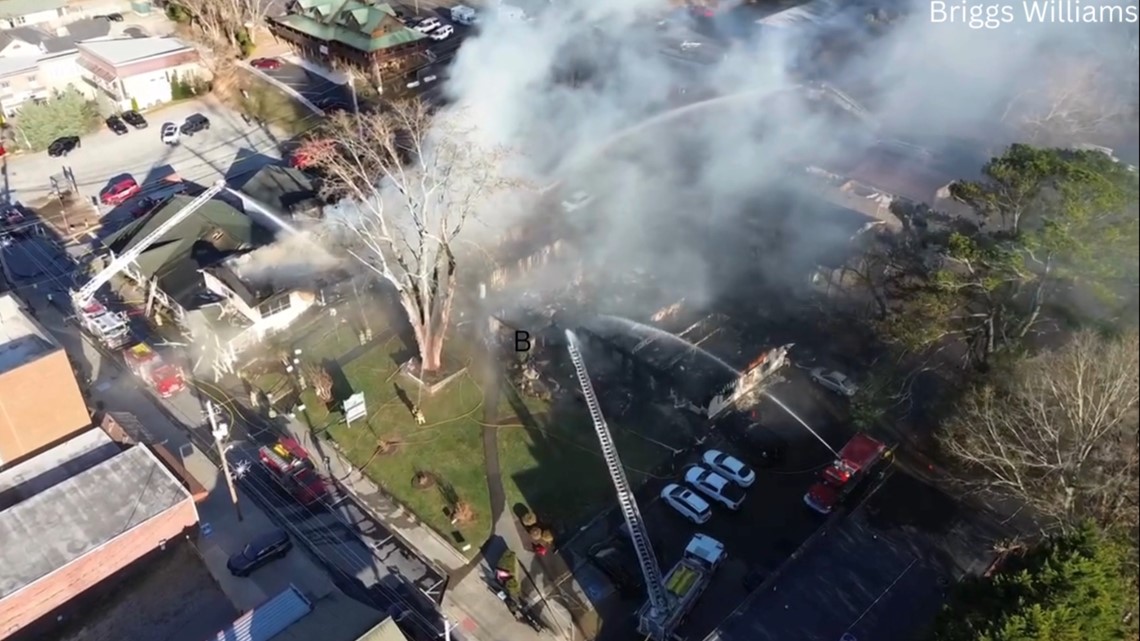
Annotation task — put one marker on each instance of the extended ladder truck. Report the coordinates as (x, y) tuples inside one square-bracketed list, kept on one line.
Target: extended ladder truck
[(112, 329), (673, 595)]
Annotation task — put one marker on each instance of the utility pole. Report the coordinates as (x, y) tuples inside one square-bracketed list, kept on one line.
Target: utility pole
[(221, 431)]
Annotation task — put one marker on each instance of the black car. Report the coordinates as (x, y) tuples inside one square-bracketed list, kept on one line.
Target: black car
[(134, 119), (194, 124), (64, 146), (265, 548), (115, 124)]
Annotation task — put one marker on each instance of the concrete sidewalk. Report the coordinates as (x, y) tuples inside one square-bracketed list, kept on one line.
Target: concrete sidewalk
[(222, 533), (469, 602)]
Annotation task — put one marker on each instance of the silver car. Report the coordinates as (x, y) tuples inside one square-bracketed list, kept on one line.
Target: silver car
[(687, 503), (834, 381)]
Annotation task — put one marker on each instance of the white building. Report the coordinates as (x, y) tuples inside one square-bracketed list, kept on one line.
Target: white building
[(19, 13), (262, 309), (137, 72)]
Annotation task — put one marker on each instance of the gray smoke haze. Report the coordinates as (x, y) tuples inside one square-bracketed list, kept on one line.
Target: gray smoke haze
[(668, 197), (689, 202)]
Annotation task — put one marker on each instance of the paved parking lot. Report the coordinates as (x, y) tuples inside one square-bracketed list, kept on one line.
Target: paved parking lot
[(229, 148), (314, 87)]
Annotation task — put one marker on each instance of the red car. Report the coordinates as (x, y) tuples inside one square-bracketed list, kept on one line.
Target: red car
[(119, 192), (265, 63)]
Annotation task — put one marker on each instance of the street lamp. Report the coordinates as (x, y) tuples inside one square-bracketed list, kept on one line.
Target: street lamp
[(221, 432)]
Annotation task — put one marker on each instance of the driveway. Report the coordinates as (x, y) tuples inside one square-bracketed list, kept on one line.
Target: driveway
[(230, 148), (314, 87)]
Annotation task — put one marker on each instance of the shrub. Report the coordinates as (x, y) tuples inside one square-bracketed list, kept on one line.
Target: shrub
[(535, 533), (529, 520), (67, 113), (509, 562), (245, 43), (546, 537)]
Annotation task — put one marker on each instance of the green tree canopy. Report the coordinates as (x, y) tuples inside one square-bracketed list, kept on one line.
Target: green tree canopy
[(1047, 221), (1071, 588), (67, 113)]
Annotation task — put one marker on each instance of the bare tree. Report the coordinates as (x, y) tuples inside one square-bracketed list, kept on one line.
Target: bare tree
[(413, 182), (1059, 432), (1075, 98)]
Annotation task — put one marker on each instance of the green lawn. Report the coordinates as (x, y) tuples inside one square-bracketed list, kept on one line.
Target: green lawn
[(449, 445), (551, 461), (273, 106)]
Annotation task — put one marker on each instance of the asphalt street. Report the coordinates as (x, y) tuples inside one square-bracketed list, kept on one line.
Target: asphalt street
[(317, 89), (229, 148), (361, 555)]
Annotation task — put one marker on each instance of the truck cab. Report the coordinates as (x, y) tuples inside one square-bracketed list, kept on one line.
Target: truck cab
[(685, 583), (164, 378), (856, 459)]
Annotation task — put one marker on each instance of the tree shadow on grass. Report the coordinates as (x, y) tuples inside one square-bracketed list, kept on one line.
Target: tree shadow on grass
[(341, 387)]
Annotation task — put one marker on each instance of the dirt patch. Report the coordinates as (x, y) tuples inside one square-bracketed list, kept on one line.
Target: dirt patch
[(69, 217)]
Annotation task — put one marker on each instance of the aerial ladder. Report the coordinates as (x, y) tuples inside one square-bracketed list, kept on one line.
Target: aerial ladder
[(112, 328), (660, 606)]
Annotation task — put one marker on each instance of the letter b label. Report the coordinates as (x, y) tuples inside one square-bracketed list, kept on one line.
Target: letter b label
[(522, 340)]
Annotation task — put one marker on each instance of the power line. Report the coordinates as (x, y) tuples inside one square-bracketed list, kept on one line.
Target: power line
[(255, 485)]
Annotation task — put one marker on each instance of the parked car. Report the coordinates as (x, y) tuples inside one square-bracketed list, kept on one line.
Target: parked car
[(464, 15), (429, 24), (170, 133), (135, 119), (687, 503), (63, 146), (729, 467), (116, 124), (262, 550), (112, 17), (576, 201), (265, 63), (442, 33), (714, 486), (834, 381), (119, 192), (194, 124)]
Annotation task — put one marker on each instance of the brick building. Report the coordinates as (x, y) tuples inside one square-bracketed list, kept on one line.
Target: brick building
[(75, 516)]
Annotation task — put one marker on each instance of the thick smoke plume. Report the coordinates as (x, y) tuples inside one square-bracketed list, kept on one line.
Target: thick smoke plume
[(692, 200)]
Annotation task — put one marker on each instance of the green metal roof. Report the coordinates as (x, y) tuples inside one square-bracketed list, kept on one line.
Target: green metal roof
[(349, 22), (17, 8), (217, 223)]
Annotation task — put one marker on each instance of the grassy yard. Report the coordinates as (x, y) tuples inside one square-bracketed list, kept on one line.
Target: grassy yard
[(272, 105), (551, 461), (449, 446)]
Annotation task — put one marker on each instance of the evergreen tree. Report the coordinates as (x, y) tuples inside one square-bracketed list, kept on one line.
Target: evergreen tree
[(1071, 588)]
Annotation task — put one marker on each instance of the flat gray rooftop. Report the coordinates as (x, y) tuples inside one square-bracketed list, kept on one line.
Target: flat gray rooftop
[(21, 340), (76, 455), (74, 517), (882, 574)]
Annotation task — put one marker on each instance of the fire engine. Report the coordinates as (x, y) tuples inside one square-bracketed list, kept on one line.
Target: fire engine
[(292, 465), (856, 459), (112, 329), (165, 378)]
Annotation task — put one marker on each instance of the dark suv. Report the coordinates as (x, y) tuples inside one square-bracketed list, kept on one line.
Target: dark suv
[(194, 124), (63, 146), (135, 119), (115, 124), (265, 548)]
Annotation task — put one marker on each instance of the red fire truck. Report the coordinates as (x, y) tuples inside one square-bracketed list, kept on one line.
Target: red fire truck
[(292, 465), (147, 364), (855, 461)]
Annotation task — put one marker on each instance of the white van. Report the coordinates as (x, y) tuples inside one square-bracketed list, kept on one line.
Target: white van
[(464, 15)]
